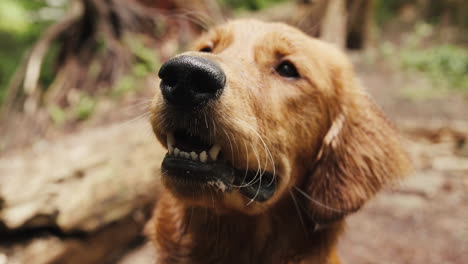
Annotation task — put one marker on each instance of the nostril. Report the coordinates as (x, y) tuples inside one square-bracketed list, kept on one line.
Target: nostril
[(204, 83), (171, 82), (190, 81), (168, 74)]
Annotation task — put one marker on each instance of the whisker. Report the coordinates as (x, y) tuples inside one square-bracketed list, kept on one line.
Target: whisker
[(185, 16), (296, 205), (214, 128), (247, 160), (206, 120), (258, 190), (141, 100), (137, 108), (254, 179), (257, 156), (230, 143), (268, 153), (232, 155), (317, 202), (133, 120)]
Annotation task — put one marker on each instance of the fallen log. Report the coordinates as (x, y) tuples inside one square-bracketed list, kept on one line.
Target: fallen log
[(80, 200)]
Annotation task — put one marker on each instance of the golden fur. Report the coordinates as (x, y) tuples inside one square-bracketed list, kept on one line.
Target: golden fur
[(326, 142)]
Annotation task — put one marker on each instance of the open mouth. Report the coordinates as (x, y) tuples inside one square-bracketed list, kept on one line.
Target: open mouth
[(191, 147), (193, 162)]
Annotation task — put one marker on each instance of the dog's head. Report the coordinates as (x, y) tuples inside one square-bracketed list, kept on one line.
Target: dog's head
[(260, 111)]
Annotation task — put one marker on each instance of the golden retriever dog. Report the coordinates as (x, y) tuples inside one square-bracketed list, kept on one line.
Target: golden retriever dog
[(271, 143)]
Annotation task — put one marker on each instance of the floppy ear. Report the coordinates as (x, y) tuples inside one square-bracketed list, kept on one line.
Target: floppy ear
[(360, 153)]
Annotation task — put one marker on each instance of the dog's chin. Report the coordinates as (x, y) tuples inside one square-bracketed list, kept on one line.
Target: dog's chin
[(196, 181)]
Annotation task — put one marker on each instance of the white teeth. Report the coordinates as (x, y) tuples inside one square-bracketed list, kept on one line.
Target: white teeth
[(211, 154), (170, 148), (214, 151), (170, 142), (170, 139), (203, 157), (184, 154)]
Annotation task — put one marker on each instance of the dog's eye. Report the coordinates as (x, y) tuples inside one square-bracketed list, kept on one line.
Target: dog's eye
[(207, 48), (287, 69)]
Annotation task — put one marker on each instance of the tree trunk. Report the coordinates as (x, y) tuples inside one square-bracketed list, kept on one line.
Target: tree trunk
[(346, 23), (333, 27), (360, 24)]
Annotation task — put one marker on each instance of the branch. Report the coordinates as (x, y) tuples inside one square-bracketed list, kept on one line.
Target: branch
[(35, 60)]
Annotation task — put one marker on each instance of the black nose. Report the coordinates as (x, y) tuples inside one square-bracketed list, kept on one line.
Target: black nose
[(189, 81)]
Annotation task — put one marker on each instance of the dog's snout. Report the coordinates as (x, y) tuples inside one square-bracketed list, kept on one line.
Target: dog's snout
[(190, 81)]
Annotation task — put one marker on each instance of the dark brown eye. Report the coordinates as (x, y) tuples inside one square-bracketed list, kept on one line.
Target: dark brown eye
[(206, 49), (287, 69)]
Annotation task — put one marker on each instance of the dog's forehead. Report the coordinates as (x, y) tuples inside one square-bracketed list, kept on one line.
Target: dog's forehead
[(254, 35), (259, 30)]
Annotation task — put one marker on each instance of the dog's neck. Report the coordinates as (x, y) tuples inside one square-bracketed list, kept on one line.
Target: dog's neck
[(200, 235)]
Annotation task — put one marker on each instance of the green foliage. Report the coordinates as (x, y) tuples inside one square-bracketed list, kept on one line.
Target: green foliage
[(21, 23), (147, 60), (249, 4), (444, 64), (85, 108), (48, 67), (82, 110), (58, 115), (14, 17), (125, 84), (430, 11), (385, 10)]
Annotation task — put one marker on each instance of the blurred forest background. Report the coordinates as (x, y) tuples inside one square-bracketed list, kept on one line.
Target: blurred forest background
[(78, 161), (62, 60)]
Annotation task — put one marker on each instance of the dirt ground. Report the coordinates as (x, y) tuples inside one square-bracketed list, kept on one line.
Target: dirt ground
[(425, 219)]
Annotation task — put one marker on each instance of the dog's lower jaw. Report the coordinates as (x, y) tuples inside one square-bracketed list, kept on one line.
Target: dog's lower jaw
[(203, 236)]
